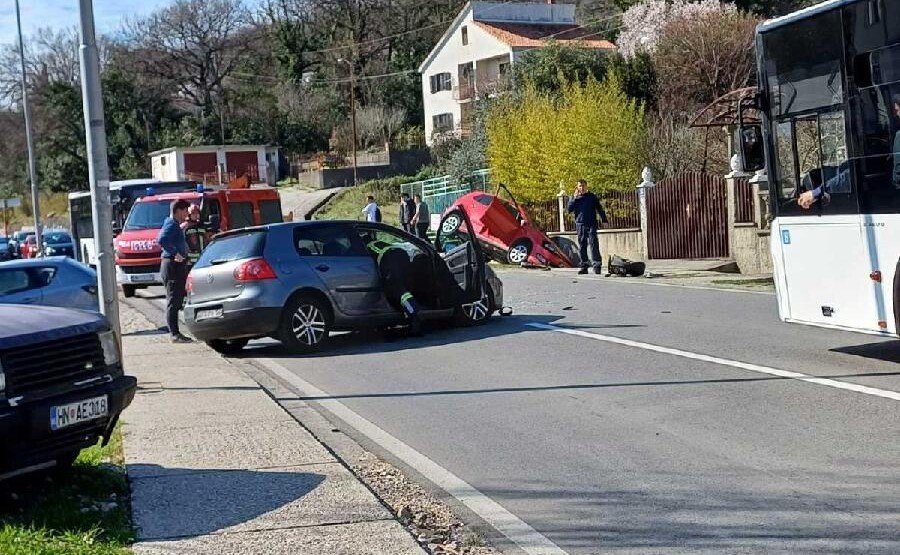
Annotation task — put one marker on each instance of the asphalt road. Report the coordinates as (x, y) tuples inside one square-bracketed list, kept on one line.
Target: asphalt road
[(645, 445)]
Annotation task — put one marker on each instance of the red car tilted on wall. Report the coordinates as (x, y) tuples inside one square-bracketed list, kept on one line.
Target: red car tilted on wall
[(505, 231)]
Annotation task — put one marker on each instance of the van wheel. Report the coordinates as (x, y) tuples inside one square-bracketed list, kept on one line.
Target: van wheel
[(305, 325), (128, 291), (228, 346), (519, 251)]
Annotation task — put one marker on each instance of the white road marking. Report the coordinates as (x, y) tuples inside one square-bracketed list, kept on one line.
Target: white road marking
[(887, 394), (527, 538)]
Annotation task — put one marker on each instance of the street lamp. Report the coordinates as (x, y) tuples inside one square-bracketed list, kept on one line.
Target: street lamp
[(352, 111)]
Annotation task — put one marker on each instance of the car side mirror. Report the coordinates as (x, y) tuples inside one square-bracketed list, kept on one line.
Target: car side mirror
[(750, 143), (215, 223)]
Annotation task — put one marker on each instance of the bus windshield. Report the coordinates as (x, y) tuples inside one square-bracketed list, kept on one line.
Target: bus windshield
[(147, 215)]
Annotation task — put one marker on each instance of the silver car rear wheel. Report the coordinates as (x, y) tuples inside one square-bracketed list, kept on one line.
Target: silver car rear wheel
[(305, 324), (308, 324)]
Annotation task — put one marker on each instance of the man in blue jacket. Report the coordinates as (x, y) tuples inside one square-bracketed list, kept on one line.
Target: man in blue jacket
[(586, 207), (174, 268)]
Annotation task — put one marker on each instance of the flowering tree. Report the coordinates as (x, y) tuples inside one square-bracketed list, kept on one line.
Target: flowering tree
[(643, 23)]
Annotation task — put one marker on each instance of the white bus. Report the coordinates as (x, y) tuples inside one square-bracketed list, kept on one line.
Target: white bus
[(829, 105)]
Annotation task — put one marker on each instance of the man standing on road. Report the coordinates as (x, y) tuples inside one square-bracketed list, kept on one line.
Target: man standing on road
[(586, 207), (407, 211), (174, 269), (422, 217), (372, 212)]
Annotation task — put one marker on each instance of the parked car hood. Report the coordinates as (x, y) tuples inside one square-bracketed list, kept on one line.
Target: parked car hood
[(22, 325)]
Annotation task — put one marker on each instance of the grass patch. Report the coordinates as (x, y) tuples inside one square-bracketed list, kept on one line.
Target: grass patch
[(348, 204), (753, 281), (82, 511)]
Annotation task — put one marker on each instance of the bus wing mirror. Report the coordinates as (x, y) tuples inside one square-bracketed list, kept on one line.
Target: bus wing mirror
[(750, 144)]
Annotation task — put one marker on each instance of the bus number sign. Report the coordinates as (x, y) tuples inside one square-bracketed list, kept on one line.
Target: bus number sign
[(786, 236)]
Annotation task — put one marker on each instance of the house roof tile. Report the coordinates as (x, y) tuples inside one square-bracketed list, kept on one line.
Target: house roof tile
[(530, 35)]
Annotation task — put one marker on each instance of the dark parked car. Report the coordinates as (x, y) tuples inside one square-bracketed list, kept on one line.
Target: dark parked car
[(51, 281), (58, 243), (62, 389), (5, 249), (297, 282)]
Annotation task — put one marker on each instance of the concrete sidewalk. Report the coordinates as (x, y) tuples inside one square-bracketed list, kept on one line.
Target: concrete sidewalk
[(217, 467)]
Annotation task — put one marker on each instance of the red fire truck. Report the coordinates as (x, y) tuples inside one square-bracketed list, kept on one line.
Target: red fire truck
[(138, 253)]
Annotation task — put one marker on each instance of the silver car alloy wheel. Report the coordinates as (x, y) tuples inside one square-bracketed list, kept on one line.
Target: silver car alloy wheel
[(476, 311), (451, 224), (518, 254), (308, 324)]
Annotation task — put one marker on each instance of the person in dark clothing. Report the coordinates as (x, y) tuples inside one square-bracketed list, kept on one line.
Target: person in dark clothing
[(195, 234), (174, 269), (401, 271), (422, 218), (586, 207), (407, 211)]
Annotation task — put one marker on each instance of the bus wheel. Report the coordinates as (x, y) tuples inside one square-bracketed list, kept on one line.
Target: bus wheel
[(128, 291)]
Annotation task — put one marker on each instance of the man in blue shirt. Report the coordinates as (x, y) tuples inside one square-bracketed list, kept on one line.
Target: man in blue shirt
[(586, 207), (174, 268)]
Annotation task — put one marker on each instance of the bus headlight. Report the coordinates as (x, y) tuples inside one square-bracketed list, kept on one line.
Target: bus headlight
[(110, 347)]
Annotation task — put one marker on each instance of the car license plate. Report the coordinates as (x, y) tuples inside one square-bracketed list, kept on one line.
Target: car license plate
[(208, 314), (142, 278), (82, 411)]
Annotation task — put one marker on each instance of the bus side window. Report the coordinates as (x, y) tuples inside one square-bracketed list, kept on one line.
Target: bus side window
[(878, 123), (786, 172)]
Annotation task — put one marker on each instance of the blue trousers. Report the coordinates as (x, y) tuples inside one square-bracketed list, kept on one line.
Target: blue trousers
[(588, 245)]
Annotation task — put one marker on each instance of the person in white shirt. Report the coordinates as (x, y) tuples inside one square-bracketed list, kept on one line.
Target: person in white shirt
[(371, 210)]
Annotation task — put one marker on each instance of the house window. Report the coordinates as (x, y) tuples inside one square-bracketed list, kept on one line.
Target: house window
[(504, 68), (442, 122), (465, 35), (441, 82)]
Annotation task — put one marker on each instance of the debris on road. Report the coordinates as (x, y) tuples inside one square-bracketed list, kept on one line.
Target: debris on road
[(430, 521)]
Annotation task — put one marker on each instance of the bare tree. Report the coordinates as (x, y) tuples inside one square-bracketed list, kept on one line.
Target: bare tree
[(193, 46), (701, 58), (50, 57), (377, 124)]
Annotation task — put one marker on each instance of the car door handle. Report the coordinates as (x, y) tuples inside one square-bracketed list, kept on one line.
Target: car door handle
[(323, 267)]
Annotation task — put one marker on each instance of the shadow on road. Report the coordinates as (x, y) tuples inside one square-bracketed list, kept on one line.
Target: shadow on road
[(680, 513), (888, 351), (178, 503), (370, 342)]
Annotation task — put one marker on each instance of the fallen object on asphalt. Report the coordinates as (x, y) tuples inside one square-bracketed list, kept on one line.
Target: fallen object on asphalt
[(622, 267), (506, 311)]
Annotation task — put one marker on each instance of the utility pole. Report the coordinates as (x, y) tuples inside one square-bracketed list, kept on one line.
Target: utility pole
[(98, 166), (32, 172), (352, 114)]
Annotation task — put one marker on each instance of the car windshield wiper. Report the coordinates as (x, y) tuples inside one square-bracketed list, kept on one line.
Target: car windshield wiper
[(219, 261)]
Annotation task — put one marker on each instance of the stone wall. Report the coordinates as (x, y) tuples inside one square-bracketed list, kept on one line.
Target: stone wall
[(403, 162)]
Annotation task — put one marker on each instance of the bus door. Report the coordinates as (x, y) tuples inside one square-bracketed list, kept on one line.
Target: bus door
[(822, 249)]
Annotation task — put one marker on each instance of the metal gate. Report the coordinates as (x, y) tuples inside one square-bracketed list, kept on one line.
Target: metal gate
[(687, 217)]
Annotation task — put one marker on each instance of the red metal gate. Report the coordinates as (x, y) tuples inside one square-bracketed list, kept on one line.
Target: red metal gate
[(687, 217)]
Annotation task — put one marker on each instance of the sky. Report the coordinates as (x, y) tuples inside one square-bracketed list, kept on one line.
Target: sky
[(58, 14)]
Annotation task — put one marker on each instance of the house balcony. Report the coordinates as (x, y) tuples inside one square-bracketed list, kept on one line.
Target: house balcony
[(464, 92)]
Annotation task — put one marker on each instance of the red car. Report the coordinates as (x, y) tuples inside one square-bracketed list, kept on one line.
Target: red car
[(505, 231), (29, 248)]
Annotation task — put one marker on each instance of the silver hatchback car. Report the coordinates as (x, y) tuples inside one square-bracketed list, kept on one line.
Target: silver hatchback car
[(297, 282)]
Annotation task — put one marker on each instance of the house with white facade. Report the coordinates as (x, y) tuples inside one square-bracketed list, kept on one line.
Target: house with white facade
[(478, 49)]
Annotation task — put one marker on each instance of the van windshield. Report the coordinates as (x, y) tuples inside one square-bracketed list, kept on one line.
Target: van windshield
[(147, 215)]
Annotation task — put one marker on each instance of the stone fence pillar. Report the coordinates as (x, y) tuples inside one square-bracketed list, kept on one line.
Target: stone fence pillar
[(642, 188)]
